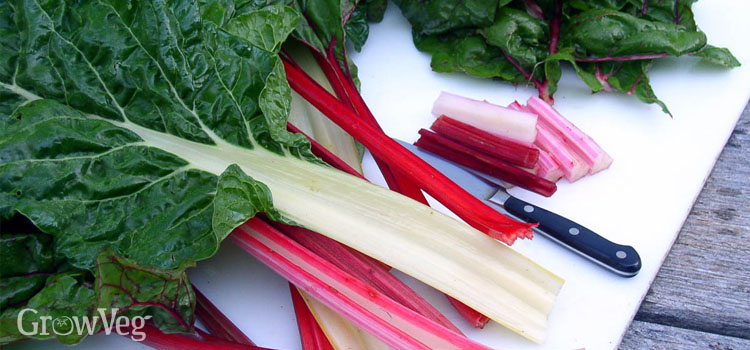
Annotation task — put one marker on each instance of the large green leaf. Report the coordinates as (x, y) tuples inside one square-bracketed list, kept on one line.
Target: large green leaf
[(98, 132)]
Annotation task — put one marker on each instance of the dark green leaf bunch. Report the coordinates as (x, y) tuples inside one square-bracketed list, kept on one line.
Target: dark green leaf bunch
[(610, 43)]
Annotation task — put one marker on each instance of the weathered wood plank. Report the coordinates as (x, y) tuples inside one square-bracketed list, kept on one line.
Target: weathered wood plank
[(644, 335), (704, 284)]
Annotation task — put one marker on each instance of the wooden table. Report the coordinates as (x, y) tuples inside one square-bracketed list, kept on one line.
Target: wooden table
[(701, 296)]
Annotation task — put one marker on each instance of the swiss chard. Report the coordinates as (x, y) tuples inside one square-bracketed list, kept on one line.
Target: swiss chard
[(137, 135), (610, 43)]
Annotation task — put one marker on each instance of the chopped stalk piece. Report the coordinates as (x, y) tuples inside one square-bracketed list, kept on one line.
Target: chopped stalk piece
[(478, 161), (389, 321), (572, 166), (510, 151), (499, 120), (549, 168), (310, 334), (456, 199), (342, 334), (586, 148), (365, 270), (217, 323)]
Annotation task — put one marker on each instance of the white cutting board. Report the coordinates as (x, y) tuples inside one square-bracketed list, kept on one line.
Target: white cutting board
[(642, 200)]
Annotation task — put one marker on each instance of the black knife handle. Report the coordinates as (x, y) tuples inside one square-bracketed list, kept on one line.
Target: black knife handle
[(622, 259)]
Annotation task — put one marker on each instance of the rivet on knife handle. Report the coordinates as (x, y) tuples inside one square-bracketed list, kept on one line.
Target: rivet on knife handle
[(622, 259)]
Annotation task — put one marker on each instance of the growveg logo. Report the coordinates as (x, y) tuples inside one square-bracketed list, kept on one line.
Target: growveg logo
[(45, 325)]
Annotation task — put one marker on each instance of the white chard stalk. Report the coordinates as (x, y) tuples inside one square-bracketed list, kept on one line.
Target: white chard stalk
[(501, 121)]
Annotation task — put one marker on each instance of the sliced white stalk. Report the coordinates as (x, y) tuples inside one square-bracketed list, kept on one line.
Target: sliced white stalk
[(499, 120), (444, 253), (314, 123), (578, 141), (342, 334)]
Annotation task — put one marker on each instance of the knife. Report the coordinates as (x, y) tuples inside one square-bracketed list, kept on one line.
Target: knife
[(620, 259)]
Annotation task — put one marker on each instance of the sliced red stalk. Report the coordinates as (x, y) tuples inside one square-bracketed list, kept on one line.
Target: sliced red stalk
[(157, 339), (499, 120), (596, 158), (310, 334), (216, 322), (463, 204), (387, 320), (510, 151), (572, 166), (478, 161), (365, 270), (549, 168)]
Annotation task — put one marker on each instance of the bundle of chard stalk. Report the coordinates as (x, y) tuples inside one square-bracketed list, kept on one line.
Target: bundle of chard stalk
[(530, 146)]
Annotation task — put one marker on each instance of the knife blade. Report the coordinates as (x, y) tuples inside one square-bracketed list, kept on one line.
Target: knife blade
[(620, 259)]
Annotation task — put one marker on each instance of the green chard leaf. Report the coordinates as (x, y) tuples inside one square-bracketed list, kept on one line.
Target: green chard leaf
[(375, 9), (718, 55), (136, 290), (468, 53), (512, 40), (520, 35), (356, 27), (328, 24), (584, 5), (664, 12), (602, 33), (441, 16), (265, 28), (134, 150), (64, 296), (122, 288)]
